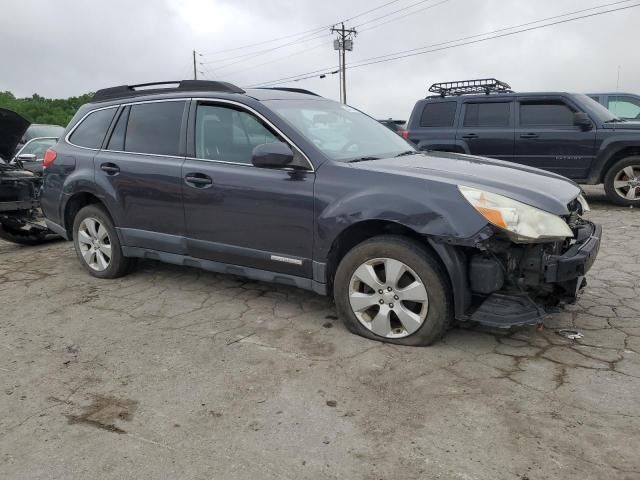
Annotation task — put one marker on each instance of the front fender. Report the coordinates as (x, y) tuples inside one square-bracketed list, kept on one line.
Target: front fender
[(609, 147)]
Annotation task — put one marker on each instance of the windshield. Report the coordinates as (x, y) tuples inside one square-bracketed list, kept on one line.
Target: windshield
[(600, 110), (35, 131), (341, 132)]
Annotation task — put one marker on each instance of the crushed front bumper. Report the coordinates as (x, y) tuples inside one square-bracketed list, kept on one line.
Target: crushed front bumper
[(539, 280)]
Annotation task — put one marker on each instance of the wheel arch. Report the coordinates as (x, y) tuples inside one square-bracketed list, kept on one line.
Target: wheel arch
[(451, 258), (75, 203), (615, 154)]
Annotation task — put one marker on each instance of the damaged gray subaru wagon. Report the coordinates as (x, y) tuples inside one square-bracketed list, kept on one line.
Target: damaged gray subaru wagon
[(284, 186)]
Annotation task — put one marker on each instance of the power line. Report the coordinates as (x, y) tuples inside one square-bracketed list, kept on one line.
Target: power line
[(418, 51), (299, 34), (397, 11), (428, 7)]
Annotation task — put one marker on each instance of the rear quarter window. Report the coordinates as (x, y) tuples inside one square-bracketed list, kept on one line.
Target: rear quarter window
[(91, 131), (439, 114)]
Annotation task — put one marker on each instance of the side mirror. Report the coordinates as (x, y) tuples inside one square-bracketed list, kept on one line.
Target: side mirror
[(27, 157), (272, 155), (582, 120)]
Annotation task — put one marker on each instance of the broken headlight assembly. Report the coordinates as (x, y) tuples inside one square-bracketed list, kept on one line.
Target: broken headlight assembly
[(521, 222)]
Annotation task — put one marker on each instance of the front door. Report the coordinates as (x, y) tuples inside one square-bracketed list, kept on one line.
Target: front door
[(141, 171), (487, 128), (547, 138), (239, 214)]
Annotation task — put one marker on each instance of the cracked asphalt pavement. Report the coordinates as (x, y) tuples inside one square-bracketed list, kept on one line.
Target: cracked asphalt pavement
[(177, 373)]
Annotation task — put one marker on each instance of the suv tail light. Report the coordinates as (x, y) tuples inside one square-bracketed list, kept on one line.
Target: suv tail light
[(49, 157), (404, 134)]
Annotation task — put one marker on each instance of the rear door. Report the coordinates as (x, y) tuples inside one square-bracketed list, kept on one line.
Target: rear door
[(547, 138), (486, 128), (237, 213), (140, 168)]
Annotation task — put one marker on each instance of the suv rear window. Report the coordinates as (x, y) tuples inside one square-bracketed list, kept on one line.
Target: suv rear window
[(440, 114), (492, 114), (543, 113), (90, 133), (154, 128)]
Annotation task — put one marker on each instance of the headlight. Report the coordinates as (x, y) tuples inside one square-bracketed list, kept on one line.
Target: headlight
[(583, 203), (523, 223)]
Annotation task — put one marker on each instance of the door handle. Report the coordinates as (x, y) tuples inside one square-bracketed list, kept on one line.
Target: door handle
[(529, 135), (110, 168), (198, 180), (470, 135)]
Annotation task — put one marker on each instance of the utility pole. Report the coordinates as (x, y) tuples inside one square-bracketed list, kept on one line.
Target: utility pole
[(195, 70), (343, 43)]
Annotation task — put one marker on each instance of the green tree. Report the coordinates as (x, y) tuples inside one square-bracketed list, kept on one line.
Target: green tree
[(37, 109)]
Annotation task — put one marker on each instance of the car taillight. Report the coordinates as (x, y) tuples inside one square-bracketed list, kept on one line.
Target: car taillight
[(404, 134), (49, 157)]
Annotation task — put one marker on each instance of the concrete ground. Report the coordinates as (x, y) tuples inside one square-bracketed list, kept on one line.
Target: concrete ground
[(174, 373)]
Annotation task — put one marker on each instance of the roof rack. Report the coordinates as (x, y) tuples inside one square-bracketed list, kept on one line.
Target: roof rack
[(291, 89), (468, 87), (123, 91)]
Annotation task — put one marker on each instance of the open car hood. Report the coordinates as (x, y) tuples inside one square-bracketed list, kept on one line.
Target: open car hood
[(12, 128)]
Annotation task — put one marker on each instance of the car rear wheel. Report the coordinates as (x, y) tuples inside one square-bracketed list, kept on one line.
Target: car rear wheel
[(622, 182), (97, 244), (392, 289)]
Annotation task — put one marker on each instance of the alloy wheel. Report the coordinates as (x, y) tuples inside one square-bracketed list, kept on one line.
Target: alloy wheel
[(388, 298), (95, 244), (627, 182)]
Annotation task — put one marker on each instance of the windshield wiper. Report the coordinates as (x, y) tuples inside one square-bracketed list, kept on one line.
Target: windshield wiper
[(615, 120), (362, 159), (408, 152)]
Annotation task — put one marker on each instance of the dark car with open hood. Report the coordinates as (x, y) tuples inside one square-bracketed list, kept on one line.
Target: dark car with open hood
[(284, 186), (20, 216)]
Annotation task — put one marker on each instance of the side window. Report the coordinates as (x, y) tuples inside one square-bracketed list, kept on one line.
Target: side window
[(90, 133), (38, 147), (625, 107), (154, 128), (546, 113), (228, 134), (490, 114), (440, 114), (116, 142)]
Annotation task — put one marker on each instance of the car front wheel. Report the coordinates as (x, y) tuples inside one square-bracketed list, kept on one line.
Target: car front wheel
[(622, 182), (392, 289)]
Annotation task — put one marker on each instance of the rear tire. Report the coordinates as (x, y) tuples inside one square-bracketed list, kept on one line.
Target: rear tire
[(97, 244), (622, 182), (410, 302)]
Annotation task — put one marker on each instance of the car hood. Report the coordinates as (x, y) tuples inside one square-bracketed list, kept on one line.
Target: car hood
[(12, 128), (538, 188)]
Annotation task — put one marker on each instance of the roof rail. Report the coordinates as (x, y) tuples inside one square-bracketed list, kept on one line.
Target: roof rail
[(468, 87), (123, 91), (291, 89)]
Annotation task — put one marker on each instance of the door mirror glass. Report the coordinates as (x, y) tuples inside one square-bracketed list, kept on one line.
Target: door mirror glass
[(582, 120), (272, 155), (27, 157)]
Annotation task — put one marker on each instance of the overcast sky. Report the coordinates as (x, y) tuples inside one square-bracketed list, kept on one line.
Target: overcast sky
[(64, 47)]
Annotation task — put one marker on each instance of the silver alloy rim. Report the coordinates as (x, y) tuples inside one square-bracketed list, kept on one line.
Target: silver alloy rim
[(388, 298), (95, 244), (627, 182)]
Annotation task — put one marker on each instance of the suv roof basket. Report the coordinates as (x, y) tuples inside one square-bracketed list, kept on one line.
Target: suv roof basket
[(468, 87), (123, 91), (291, 89)]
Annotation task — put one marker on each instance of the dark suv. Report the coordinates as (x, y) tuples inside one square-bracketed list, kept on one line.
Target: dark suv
[(565, 133), (288, 187)]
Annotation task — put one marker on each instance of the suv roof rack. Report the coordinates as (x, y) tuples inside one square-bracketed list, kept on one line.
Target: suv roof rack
[(123, 91), (469, 87), (291, 89)]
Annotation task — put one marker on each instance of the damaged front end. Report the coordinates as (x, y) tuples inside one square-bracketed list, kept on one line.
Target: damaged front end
[(514, 282), (21, 220)]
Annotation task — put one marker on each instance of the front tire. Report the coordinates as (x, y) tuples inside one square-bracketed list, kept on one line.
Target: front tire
[(97, 244), (392, 289), (622, 182)]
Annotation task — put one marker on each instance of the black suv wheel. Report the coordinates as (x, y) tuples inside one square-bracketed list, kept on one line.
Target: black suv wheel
[(97, 244), (622, 182), (392, 289)]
